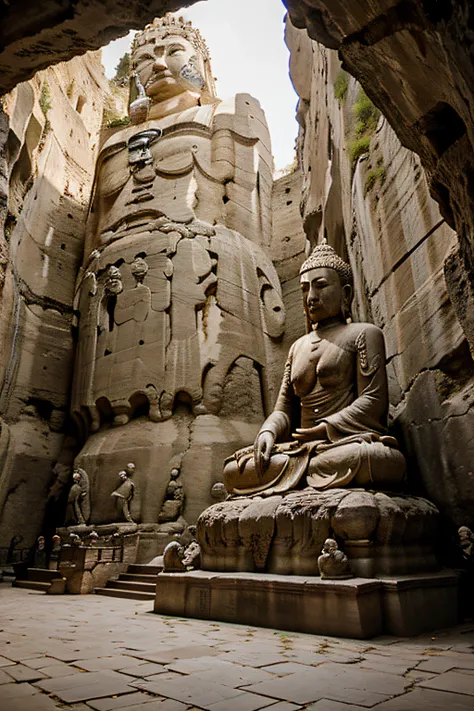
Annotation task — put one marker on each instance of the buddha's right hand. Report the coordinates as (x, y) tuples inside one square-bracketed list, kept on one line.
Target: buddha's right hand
[(262, 451)]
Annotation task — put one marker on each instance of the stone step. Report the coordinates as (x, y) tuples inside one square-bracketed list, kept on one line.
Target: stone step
[(131, 585), (32, 585), (127, 594), (42, 574), (140, 569), (138, 578)]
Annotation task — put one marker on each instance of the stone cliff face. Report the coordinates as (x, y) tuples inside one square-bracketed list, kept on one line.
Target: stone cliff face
[(370, 196), (415, 61), (48, 136)]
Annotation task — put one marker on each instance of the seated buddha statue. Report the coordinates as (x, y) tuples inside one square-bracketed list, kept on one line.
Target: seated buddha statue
[(329, 425)]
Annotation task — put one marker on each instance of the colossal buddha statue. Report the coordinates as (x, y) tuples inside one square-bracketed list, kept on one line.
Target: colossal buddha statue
[(179, 307)]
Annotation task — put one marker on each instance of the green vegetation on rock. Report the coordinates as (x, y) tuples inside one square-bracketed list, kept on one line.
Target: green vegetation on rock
[(375, 175), (341, 85), (367, 115), (122, 69), (45, 98)]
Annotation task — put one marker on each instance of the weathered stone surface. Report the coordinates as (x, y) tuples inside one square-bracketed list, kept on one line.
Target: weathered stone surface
[(381, 534), (48, 162), (380, 44), (356, 607)]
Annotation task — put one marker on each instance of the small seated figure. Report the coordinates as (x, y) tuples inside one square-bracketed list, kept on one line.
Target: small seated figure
[(329, 425), (333, 564), (174, 498)]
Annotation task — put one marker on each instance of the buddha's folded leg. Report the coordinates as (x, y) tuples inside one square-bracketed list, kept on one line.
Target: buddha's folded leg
[(372, 465), (240, 475)]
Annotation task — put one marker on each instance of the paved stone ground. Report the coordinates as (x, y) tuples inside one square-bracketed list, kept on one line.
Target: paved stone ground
[(91, 653)]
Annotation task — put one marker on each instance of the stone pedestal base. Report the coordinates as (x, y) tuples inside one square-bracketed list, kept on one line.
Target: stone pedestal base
[(360, 607), (382, 534)]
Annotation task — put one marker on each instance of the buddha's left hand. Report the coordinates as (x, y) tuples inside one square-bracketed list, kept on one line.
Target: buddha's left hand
[(310, 434)]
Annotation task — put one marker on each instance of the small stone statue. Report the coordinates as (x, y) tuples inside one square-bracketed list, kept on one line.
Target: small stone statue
[(333, 563), (219, 492), (125, 492), (172, 507), (173, 558), (40, 553), (466, 541), (192, 556), (75, 539), (79, 497)]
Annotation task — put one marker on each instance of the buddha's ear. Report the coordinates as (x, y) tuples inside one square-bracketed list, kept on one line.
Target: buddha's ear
[(348, 292), (348, 295)]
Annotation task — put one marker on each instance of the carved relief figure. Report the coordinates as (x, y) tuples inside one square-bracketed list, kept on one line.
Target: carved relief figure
[(329, 425), (185, 305), (79, 497), (124, 495)]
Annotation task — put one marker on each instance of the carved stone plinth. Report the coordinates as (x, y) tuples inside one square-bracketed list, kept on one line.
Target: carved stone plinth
[(382, 534), (359, 607)]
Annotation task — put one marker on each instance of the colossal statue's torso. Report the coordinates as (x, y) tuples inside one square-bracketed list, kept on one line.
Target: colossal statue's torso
[(192, 313)]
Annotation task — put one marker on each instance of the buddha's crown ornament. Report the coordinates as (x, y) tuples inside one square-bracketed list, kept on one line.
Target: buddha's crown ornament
[(323, 255), (170, 25)]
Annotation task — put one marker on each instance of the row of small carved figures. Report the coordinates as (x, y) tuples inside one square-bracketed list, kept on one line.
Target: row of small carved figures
[(333, 563)]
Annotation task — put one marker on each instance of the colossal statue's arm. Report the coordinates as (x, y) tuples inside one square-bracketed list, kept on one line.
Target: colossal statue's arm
[(281, 421), (241, 158), (369, 411)]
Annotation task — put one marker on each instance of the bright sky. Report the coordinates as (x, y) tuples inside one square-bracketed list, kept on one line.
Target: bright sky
[(248, 53)]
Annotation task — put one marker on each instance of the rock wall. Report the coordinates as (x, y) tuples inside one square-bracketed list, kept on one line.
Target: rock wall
[(377, 209), (288, 252), (415, 59), (48, 137)]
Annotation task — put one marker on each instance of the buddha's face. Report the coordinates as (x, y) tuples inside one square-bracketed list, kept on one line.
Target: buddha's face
[(324, 294), (168, 68)]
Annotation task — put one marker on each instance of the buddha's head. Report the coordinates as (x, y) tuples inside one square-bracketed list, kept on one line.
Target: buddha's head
[(171, 61), (326, 282)]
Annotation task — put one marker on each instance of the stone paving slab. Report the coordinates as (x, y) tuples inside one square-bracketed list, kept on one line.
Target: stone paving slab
[(118, 661), (143, 669), (113, 703), (452, 681), (233, 675), (89, 685), (327, 705), (5, 678), (426, 700), (190, 690), (139, 661), (39, 702), (20, 672), (4, 662)]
